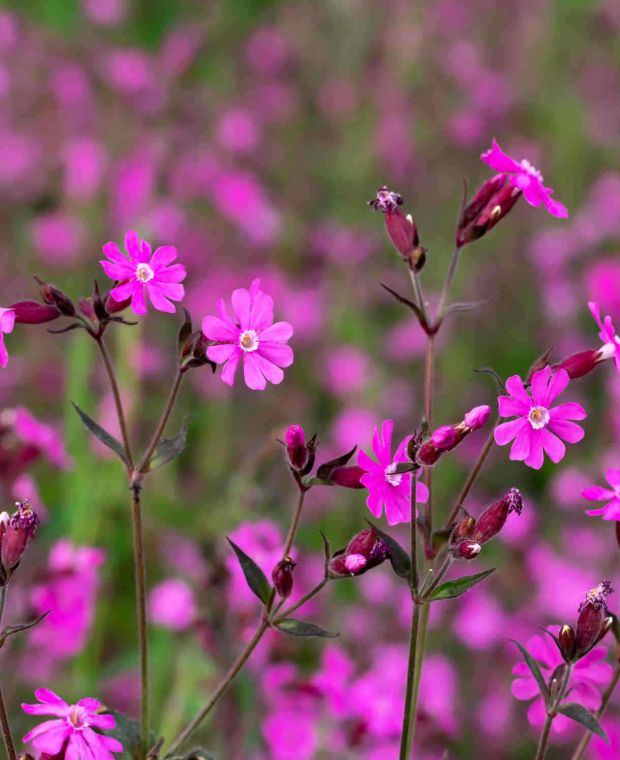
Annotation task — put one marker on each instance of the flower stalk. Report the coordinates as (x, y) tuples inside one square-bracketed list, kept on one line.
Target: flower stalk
[(4, 718)]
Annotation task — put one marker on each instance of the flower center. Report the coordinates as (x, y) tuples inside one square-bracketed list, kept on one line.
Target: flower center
[(531, 170), (391, 476), (77, 717), (248, 340), (144, 272), (538, 417)]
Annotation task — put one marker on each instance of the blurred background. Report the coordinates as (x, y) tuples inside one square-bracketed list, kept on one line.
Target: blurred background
[(250, 134)]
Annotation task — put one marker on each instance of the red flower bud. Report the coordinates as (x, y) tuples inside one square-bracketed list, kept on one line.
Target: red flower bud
[(15, 533), (113, 307), (364, 551), (402, 232), (282, 577), (591, 623), (580, 364), (296, 447), (567, 642), (34, 313), (466, 549), (348, 477), (490, 204), (464, 529), (55, 297), (492, 520), (427, 454)]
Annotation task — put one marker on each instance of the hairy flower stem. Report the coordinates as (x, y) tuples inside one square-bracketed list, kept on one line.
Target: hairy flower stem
[(443, 300), (140, 578), (103, 350), (544, 739), (585, 739), (163, 421), (4, 718), (552, 711), (265, 623)]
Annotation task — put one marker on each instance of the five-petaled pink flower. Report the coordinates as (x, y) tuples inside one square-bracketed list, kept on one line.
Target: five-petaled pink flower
[(145, 272), (7, 322), (388, 489), (611, 342), (538, 426), (524, 176), (72, 729), (611, 510), (252, 336), (588, 675)]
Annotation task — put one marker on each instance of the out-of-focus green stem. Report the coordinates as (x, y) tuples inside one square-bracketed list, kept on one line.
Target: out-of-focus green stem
[(163, 421)]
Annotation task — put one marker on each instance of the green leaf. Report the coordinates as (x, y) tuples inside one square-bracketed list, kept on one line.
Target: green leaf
[(413, 306), (185, 330), (101, 434), (399, 559), (451, 589), (127, 731), (11, 630), (254, 576), (169, 448), (534, 669), (301, 628), (579, 714)]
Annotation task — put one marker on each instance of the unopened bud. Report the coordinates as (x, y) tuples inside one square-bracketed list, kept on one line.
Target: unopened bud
[(364, 551), (582, 363), (445, 437), (194, 351), (475, 418), (592, 620), (282, 577), (403, 233), (489, 205), (15, 533), (296, 447), (348, 477), (492, 520), (34, 313), (568, 643), (466, 549), (55, 297), (113, 306)]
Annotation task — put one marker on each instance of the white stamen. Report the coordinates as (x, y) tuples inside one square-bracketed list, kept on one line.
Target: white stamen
[(608, 351), (531, 170), (144, 272), (248, 341), (391, 476), (538, 417)]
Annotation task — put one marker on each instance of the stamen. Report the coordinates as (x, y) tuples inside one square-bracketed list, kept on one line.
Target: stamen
[(144, 272), (392, 477), (539, 417), (248, 341)]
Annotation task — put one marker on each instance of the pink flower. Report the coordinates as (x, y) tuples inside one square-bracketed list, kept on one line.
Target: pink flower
[(387, 489), (144, 272), (526, 178), (611, 510), (253, 337), (7, 322), (72, 729), (537, 426), (588, 674), (611, 342), (172, 604)]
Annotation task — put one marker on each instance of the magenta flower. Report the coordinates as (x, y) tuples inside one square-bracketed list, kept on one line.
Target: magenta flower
[(588, 675), (253, 337), (144, 273), (524, 176), (7, 322), (72, 729), (611, 342), (611, 510), (537, 426), (387, 489)]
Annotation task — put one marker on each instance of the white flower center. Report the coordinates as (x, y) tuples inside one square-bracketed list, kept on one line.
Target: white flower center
[(532, 171), (248, 340), (144, 272), (608, 351), (391, 476), (538, 417), (78, 717)]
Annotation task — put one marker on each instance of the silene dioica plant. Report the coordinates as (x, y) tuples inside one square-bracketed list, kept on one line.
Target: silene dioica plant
[(560, 672)]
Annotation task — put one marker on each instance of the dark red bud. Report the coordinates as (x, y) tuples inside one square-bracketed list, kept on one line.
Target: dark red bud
[(364, 551), (402, 232), (464, 529), (568, 642), (348, 477), (580, 364), (466, 549), (492, 520), (113, 306), (15, 534), (34, 313), (194, 351), (55, 297), (85, 305), (296, 447), (282, 577), (489, 205), (427, 454), (589, 625)]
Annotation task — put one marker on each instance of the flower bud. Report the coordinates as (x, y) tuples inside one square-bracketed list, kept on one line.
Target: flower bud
[(55, 297), (402, 232), (567, 642), (464, 529), (15, 533), (447, 437), (193, 353), (490, 204), (466, 549), (591, 623), (296, 447), (34, 313), (475, 418), (282, 577), (348, 477), (492, 520), (113, 306), (582, 363), (364, 551)]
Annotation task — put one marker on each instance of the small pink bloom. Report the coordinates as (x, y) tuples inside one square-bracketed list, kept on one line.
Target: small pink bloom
[(7, 322), (144, 272), (172, 604), (611, 510), (611, 342), (589, 674), (71, 730), (537, 425), (253, 337), (444, 438), (387, 489), (475, 418), (526, 178)]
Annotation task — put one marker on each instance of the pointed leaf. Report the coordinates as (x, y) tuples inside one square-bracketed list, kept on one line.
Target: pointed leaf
[(185, 330), (326, 469), (399, 559), (451, 589), (169, 448), (580, 714), (257, 581), (302, 628), (101, 434), (11, 630), (326, 551), (498, 380), (413, 306), (455, 308), (534, 669)]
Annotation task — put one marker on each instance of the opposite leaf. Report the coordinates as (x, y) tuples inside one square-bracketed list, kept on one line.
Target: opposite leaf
[(301, 628), (399, 559), (579, 714), (451, 589), (101, 434), (168, 448), (535, 670), (254, 576)]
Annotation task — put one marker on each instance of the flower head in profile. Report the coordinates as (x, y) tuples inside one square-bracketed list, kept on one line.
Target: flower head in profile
[(388, 489), (538, 427), (611, 342), (588, 676), (527, 178), (72, 729), (611, 510), (7, 322), (143, 273), (251, 337)]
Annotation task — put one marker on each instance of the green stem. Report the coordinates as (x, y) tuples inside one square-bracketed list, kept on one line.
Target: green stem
[(409, 716), (422, 638), (163, 421), (140, 579), (585, 739), (4, 718), (103, 350), (300, 603), (443, 300), (544, 739)]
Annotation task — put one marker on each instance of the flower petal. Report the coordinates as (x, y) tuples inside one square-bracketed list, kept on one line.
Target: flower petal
[(230, 368), (540, 381), (511, 407), (118, 271), (138, 302), (163, 256), (568, 431), (132, 245), (278, 353), (113, 252), (252, 375), (221, 353), (215, 328), (500, 161), (553, 446), (597, 493), (279, 332), (535, 457), (261, 315), (558, 384), (241, 306), (271, 371), (158, 299), (568, 411), (175, 273), (505, 432), (514, 386), (124, 291), (555, 208)]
